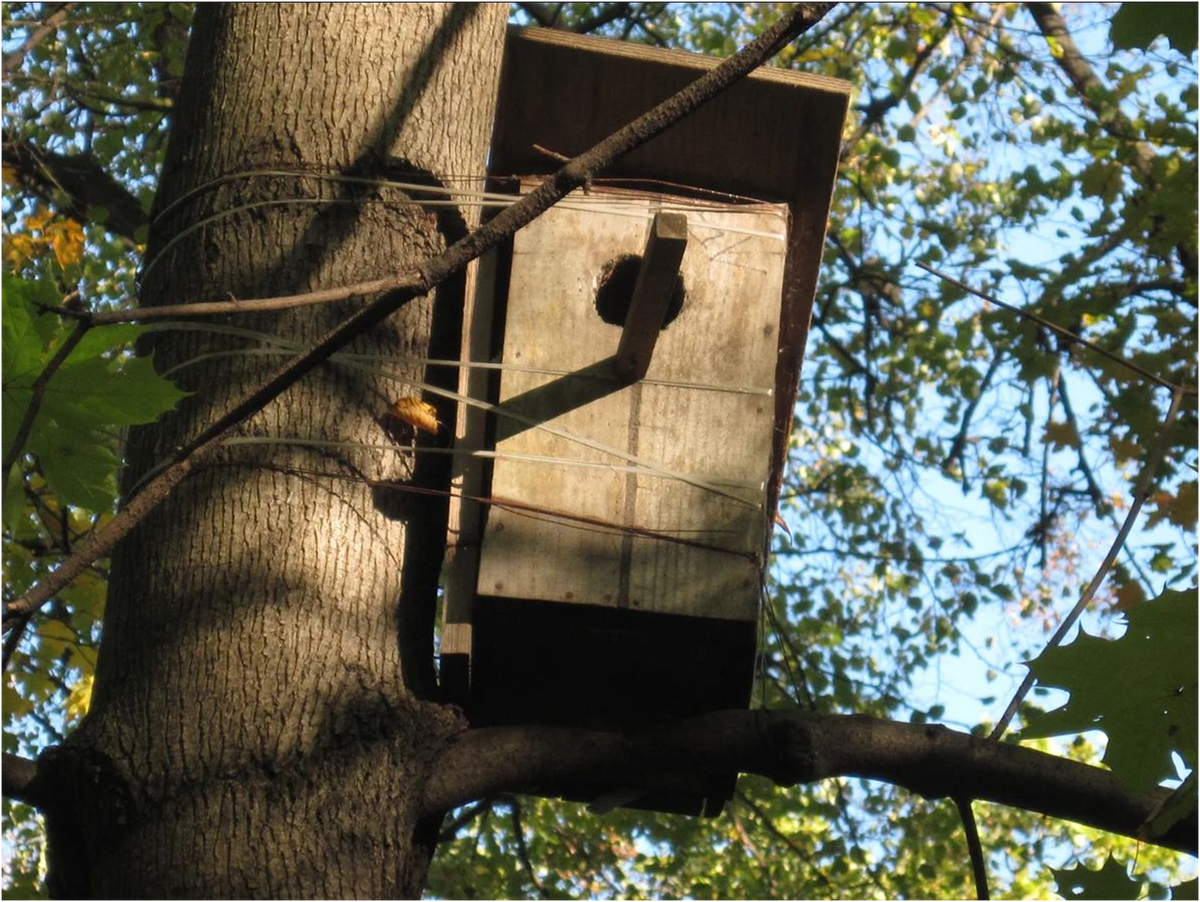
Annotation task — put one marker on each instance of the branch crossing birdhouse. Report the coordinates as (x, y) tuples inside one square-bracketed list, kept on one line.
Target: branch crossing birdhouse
[(632, 359)]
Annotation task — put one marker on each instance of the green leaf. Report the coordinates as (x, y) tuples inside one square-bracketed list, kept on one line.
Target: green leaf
[(1110, 882), (94, 392), (79, 465), (1135, 26), (14, 500), (1141, 690)]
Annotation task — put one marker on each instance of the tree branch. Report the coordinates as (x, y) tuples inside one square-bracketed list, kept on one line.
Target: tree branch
[(1070, 336), (974, 846), (959, 443), (431, 273), (36, 391), (400, 281), (84, 182), (19, 780), (1086, 83), (1141, 491), (793, 747), (47, 28)]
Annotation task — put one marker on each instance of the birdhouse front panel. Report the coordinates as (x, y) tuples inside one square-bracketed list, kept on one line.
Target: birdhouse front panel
[(647, 495)]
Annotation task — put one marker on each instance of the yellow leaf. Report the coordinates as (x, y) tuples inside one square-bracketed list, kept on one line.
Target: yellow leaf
[(80, 698), (18, 249), (36, 221), (15, 704), (417, 413), (8, 174), (66, 238), (56, 629)]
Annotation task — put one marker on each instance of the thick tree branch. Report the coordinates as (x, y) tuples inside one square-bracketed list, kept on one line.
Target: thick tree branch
[(793, 747), (17, 776), (78, 185), (431, 273)]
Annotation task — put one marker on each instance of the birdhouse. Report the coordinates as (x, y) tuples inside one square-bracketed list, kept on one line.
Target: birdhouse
[(631, 360)]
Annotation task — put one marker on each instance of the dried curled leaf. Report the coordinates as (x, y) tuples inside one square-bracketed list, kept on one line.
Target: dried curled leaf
[(417, 413)]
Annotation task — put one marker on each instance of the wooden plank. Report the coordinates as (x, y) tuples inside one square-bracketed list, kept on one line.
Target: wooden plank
[(566, 92), (464, 525), (706, 448), (656, 281)]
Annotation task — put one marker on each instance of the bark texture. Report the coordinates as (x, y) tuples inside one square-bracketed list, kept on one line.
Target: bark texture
[(258, 727)]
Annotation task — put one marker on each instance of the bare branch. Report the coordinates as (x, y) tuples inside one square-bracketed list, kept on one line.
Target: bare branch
[(959, 442), (793, 747), (539, 13), (431, 273), (1141, 491)]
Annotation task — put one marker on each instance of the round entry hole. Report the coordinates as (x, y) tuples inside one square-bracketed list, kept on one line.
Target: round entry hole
[(614, 291)]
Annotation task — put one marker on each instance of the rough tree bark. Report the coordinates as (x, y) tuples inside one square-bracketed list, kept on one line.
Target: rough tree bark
[(257, 727)]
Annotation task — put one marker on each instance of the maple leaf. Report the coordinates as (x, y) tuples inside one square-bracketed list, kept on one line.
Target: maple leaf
[(1109, 882), (1062, 435), (1141, 690), (1179, 508)]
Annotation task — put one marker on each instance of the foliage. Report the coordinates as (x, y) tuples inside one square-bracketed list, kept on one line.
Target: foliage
[(1139, 689), (955, 470), (1110, 882), (93, 391), (1136, 25)]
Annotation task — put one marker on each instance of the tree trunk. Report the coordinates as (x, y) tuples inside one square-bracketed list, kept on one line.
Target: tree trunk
[(258, 725)]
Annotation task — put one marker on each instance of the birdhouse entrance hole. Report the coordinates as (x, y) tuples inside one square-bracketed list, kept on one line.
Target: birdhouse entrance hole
[(614, 291)]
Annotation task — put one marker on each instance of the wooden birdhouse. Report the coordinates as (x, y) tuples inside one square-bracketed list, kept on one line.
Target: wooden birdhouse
[(633, 358)]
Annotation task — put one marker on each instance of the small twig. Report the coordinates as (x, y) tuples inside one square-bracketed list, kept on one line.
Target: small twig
[(1140, 492), (748, 843), (468, 814), (36, 391), (514, 808), (1081, 462), (48, 27), (12, 640), (429, 274), (788, 841), (551, 154), (1053, 327), (978, 865), (959, 443)]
